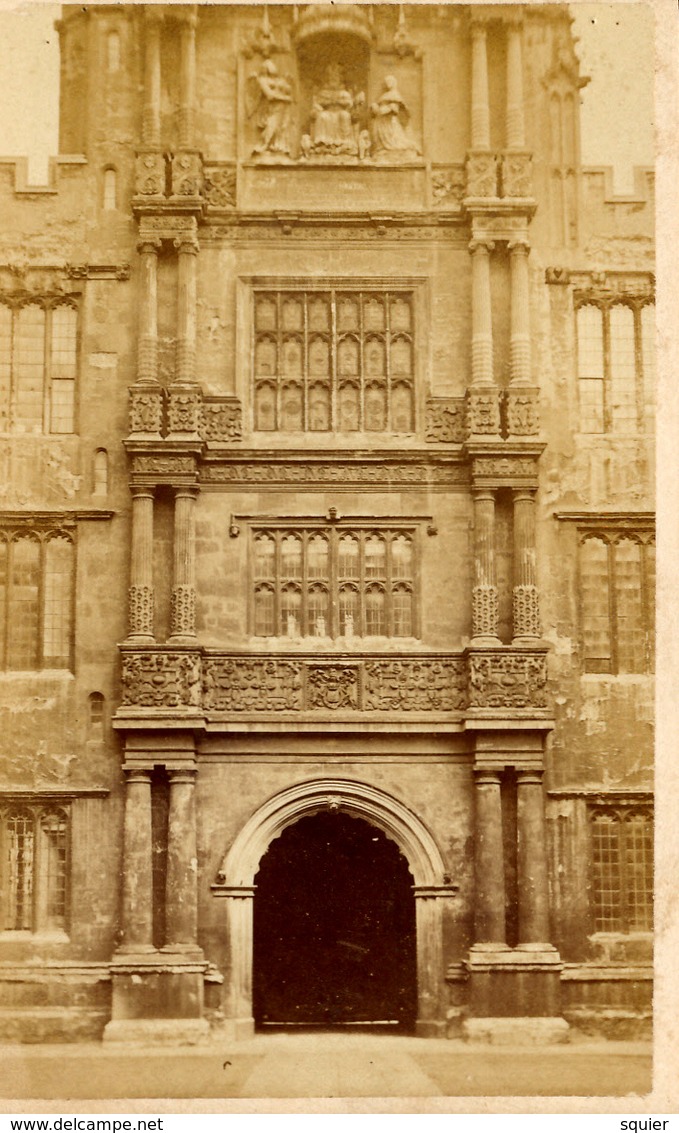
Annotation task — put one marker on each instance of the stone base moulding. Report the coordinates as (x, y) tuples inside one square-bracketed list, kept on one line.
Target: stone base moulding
[(514, 983), (157, 997), (157, 1032), (520, 1031)]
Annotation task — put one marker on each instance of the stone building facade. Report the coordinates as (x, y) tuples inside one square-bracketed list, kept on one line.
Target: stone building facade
[(326, 534)]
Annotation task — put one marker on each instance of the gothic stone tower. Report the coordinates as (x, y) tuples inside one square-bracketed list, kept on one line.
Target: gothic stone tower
[(326, 538)]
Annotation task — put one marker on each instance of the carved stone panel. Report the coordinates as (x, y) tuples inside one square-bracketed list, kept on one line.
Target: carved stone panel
[(482, 175), (522, 412), (183, 409), (245, 684), (149, 175), (332, 686), (146, 409), (186, 174), (517, 179), (448, 186), (161, 680), (483, 411), (221, 420), (220, 186), (507, 680), (445, 420), (415, 685)]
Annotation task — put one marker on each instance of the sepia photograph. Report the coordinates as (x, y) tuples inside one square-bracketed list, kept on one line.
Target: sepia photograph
[(327, 553)]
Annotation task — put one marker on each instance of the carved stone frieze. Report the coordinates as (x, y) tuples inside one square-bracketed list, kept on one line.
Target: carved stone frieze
[(186, 174), (448, 186), (358, 475), (526, 611), (175, 228), (482, 175), (171, 465), (183, 611), (504, 469), (161, 680), (242, 684), (149, 175), (484, 611), (183, 409), (522, 412), (445, 421), (483, 411), (221, 420), (517, 175), (146, 409), (332, 686), (415, 685), (220, 186), (504, 679)]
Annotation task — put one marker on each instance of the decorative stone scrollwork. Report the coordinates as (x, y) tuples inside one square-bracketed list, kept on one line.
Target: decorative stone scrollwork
[(186, 174), (252, 685), (484, 611), (507, 680), (221, 421), (414, 686), (504, 468), (183, 410), (146, 409), (149, 175), (522, 410), (140, 600), (220, 186), (517, 179), (183, 611), (161, 680), (526, 611), (163, 466), (332, 686), (482, 175), (445, 421), (483, 411), (448, 185)]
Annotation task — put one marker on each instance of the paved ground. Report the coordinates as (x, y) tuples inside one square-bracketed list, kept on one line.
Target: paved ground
[(326, 1066)]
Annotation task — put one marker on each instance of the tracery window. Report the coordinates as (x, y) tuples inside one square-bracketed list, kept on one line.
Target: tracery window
[(334, 360), (617, 588), (333, 582), (622, 869), (616, 368), (38, 357), (36, 599), (34, 867)]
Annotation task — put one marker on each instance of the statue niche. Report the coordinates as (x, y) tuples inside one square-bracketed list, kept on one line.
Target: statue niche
[(337, 121)]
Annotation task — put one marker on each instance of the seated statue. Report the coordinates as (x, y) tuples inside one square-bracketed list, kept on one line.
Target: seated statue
[(391, 140), (334, 126)]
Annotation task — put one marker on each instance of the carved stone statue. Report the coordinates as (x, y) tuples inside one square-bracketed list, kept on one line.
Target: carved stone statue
[(335, 121), (270, 100), (391, 140)]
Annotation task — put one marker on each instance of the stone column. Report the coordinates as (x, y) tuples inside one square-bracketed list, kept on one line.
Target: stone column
[(141, 593), (430, 1012), (183, 626), (151, 113), (525, 598), (186, 310), (240, 906), (480, 132), (532, 860), (187, 77), (484, 593), (489, 920), (147, 346), (519, 348), (515, 128), (137, 918), (181, 894)]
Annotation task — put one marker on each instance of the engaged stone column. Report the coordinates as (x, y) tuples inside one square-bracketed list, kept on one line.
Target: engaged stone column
[(489, 921), (526, 606), (141, 595), (186, 310), (484, 593), (532, 860), (151, 114), (137, 918), (187, 77), (520, 314), (184, 581), (480, 106), (147, 346), (515, 130), (482, 323), (181, 896)]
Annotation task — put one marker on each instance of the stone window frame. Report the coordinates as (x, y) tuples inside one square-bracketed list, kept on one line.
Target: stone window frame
[(611, 535), (332, 586), (337, 287), (51, 381), (644, 368), (47, 606), (621, 868), (35, 868)]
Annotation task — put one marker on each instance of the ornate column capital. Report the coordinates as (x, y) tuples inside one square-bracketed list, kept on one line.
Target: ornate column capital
[(481, 244), (149, 246), (186, 244)]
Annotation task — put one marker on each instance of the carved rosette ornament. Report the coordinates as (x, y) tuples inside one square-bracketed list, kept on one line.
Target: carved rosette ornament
[(183, 611), (445, 421), (161, 680), (146, 409), (526, 611), (220, 186), (332, 686), (523, 412), (483, 411), (186, 175), (252, 685), (221, 421), (517, 175), (448, 186), (507, 680), (484, 611), (414, 686), (149, 175), (482, 175), (183, 410), (140, 603)]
